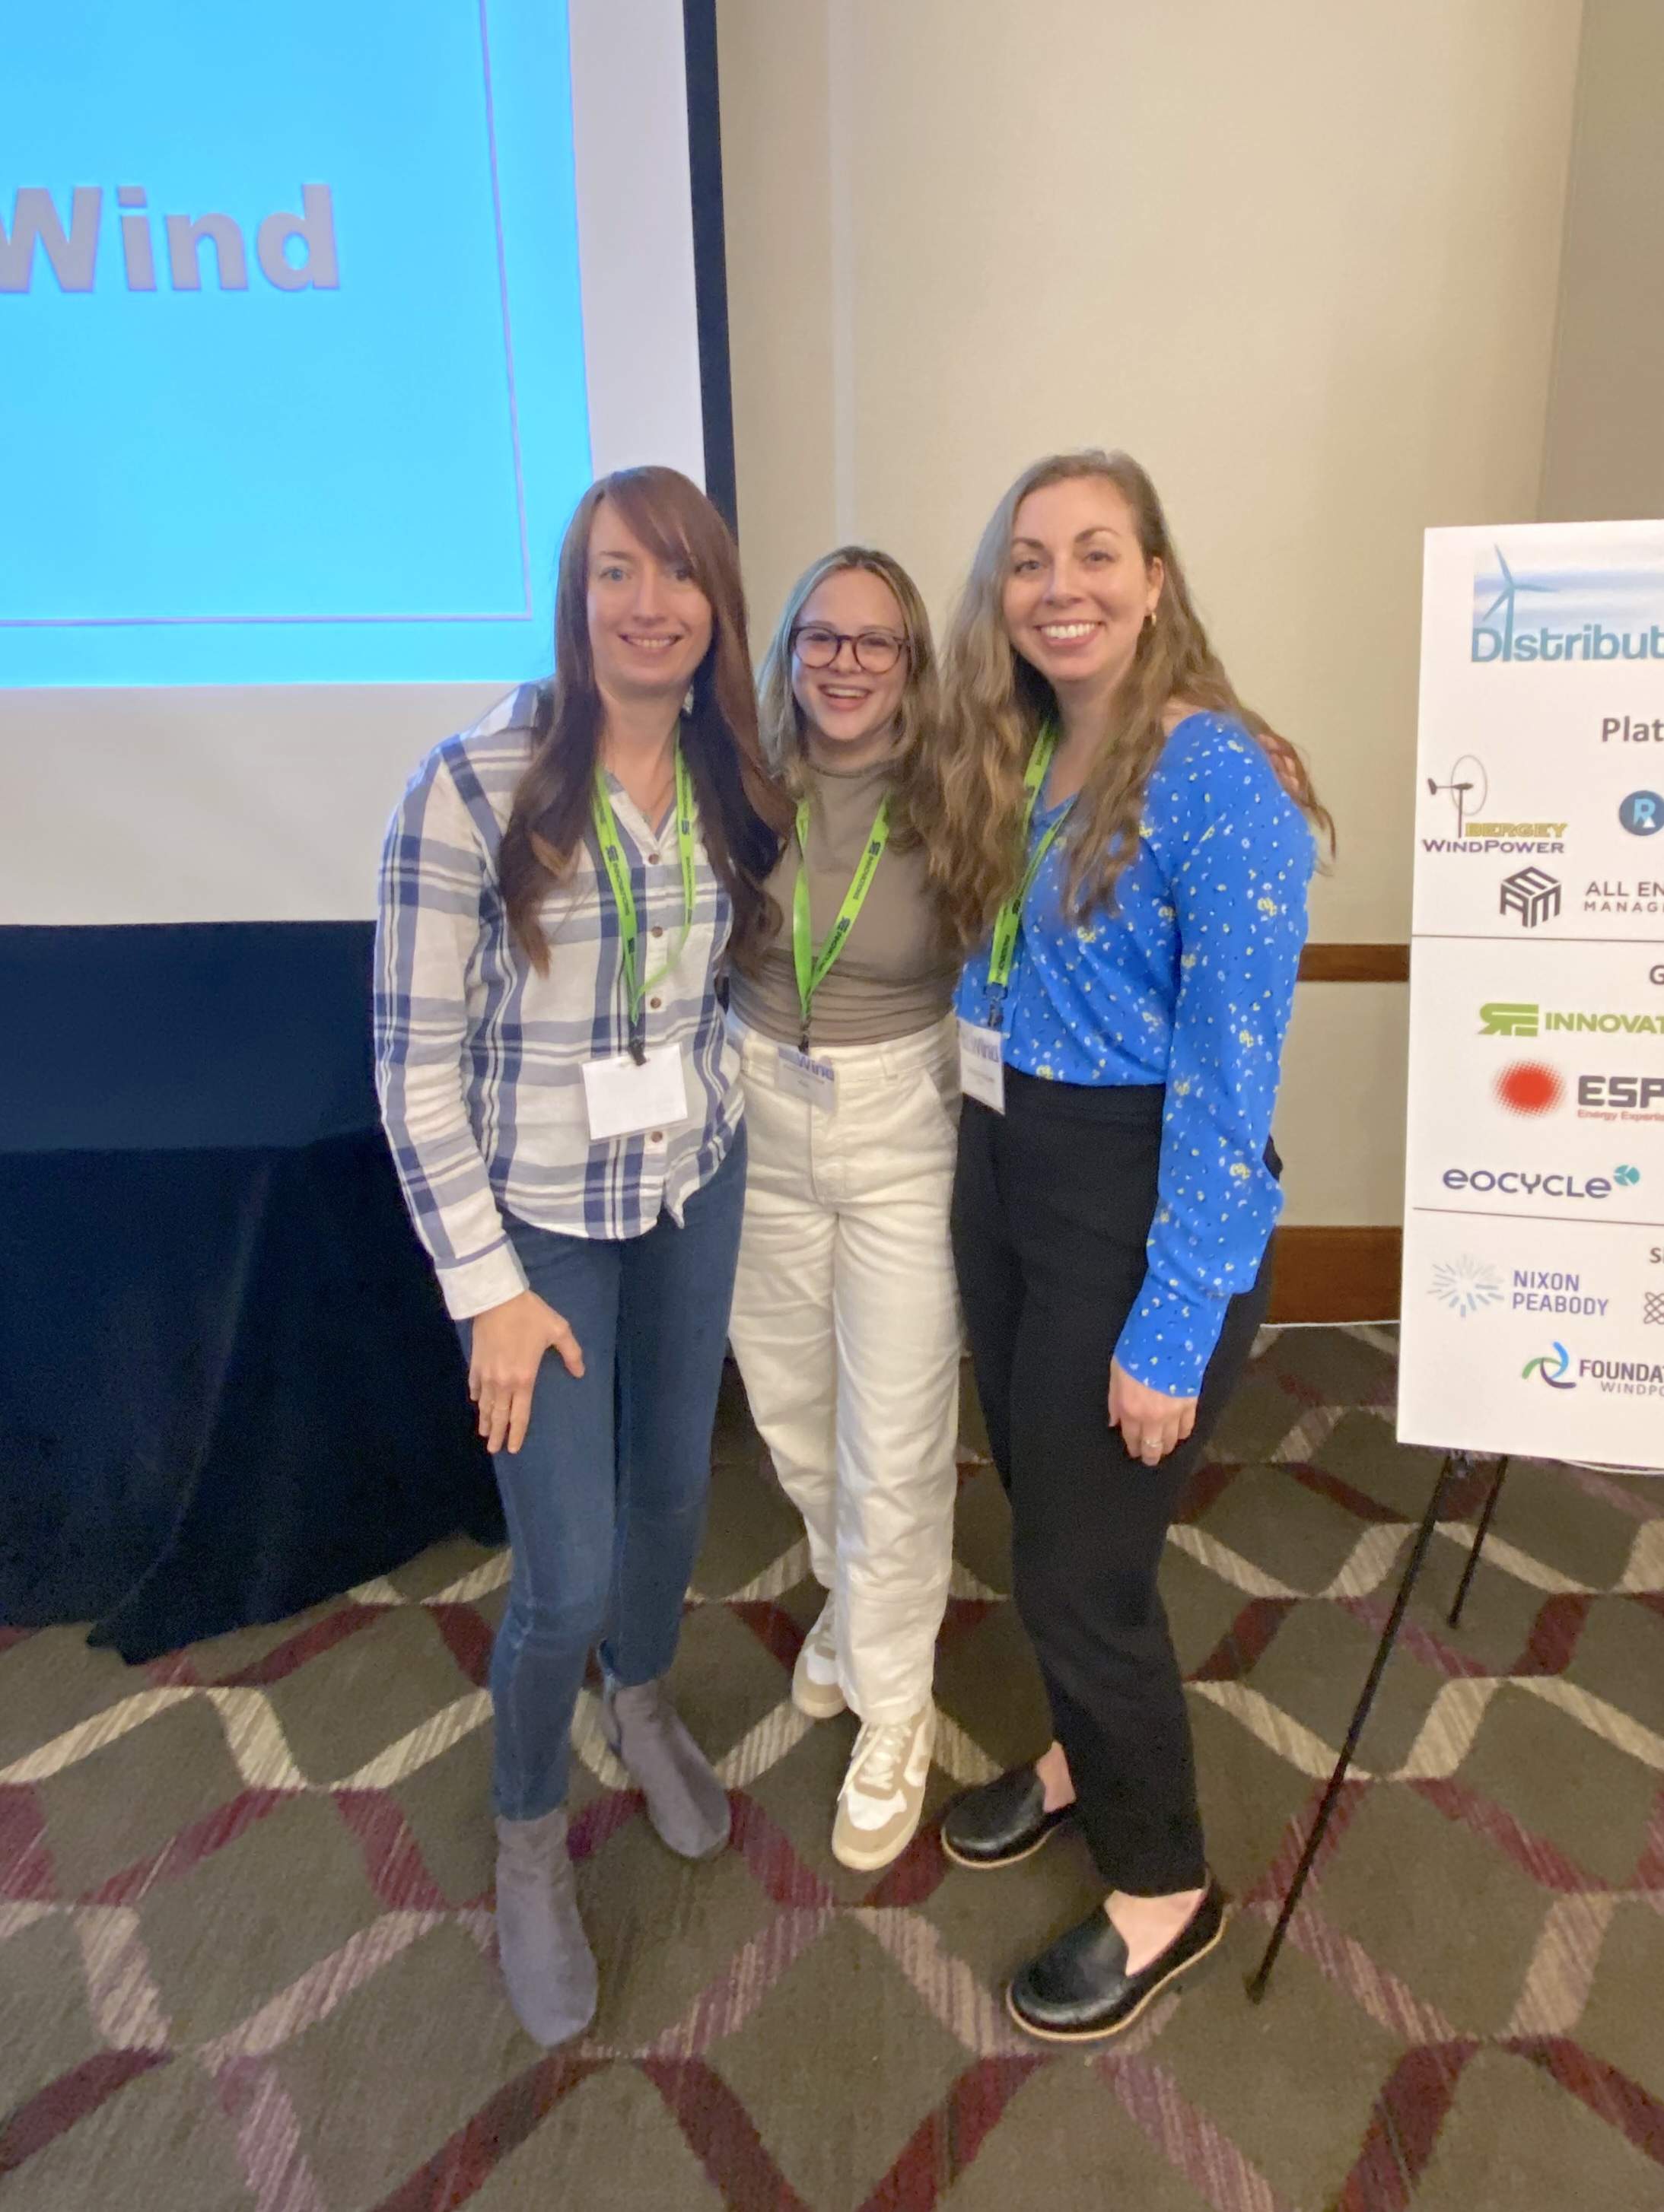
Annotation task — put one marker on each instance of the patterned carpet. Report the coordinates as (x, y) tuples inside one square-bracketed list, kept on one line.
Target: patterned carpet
[(245, 1907)]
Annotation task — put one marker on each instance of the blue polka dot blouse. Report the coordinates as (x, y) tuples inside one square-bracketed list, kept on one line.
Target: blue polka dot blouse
[(1187, 982)]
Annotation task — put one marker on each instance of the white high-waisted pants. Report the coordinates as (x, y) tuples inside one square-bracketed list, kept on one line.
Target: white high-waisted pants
[(846, 1326)]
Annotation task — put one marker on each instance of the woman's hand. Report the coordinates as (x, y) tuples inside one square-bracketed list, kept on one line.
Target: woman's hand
[(1151, 1423), (509, 1341)]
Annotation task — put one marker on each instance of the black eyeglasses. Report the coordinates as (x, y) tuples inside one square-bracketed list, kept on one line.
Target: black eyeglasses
[(876, 651)]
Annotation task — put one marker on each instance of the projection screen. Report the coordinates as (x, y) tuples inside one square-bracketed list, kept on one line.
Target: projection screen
[(311, 329)]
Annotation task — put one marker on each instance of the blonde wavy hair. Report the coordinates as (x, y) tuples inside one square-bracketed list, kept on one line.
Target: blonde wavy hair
[(969, 809), (781, 718)]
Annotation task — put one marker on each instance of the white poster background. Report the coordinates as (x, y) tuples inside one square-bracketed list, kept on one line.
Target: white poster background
[(1534, 1248)]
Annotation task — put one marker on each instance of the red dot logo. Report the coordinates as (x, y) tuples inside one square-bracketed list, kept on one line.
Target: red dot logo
[(1528, 1087)]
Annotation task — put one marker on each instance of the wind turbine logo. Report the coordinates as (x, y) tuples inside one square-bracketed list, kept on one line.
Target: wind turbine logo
[(1469, 790), (1503, 603)]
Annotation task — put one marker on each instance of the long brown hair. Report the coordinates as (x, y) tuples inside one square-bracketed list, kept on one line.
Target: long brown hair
[(782, 718), (742, 812), (995, 703)]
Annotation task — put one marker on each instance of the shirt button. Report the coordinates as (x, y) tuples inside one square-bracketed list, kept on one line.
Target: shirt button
[(652, 860), (657, 1137), (656, 1004), (657, 931)]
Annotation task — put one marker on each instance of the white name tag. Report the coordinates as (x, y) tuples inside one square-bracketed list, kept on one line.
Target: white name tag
[(802, 1076), (982, 1065), (626, 1098)]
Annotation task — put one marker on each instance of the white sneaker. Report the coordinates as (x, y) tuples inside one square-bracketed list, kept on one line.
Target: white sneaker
[(815, 1690), (883, 1792)]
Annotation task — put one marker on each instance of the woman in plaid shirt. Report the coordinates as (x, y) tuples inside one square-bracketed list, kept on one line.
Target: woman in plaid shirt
[(560, 889)]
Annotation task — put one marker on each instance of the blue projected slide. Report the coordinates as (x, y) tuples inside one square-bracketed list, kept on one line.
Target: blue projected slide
[(291, 345)]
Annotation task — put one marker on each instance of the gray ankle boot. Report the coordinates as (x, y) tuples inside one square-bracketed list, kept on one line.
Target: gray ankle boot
[(546, 1961), (686, 1803)]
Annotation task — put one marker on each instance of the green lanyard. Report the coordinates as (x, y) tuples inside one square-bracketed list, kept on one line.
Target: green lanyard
[(617, 874), (1008, 920), (811, 969)]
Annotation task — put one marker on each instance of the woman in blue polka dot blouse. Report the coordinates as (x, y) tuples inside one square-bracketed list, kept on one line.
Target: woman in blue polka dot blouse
[(1118, 836)]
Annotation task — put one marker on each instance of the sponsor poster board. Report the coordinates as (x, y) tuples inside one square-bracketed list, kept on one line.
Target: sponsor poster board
[(1533, 1246)]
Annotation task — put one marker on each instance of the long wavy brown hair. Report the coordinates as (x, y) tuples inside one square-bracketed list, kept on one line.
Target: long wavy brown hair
[(782, 718), (995, 703), (742, 812)]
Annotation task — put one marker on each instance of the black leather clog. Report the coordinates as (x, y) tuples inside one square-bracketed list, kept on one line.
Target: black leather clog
[(1002, 1822), (1079, 1990)]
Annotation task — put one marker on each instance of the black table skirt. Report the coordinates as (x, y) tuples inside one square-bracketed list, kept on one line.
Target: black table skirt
[(228, 1388), (227, 1385)]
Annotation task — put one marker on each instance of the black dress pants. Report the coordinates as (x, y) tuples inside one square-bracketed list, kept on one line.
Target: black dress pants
[(1053, 1205)]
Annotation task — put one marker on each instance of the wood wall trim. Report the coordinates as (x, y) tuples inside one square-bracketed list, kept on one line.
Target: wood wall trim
[(1337, 1274), (1355, 963)]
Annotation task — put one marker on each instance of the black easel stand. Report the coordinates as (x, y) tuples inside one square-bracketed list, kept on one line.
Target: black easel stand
[(1480, 1535), (1455, 1464)]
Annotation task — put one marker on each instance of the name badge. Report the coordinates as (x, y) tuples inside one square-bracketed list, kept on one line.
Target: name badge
[(626, 1098), (982, 1065), (814, 1081)]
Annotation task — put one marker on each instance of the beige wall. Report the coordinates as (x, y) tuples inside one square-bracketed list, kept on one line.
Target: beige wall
[(1301, 258), (1604, 454)]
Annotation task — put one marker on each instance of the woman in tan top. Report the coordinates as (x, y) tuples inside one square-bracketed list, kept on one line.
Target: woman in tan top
[(845, 1321)]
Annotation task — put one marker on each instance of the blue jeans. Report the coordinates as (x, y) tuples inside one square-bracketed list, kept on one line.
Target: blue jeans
[(605, 1498)]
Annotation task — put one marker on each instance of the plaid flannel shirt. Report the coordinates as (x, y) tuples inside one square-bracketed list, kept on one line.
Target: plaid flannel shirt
[(479, 1060)]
